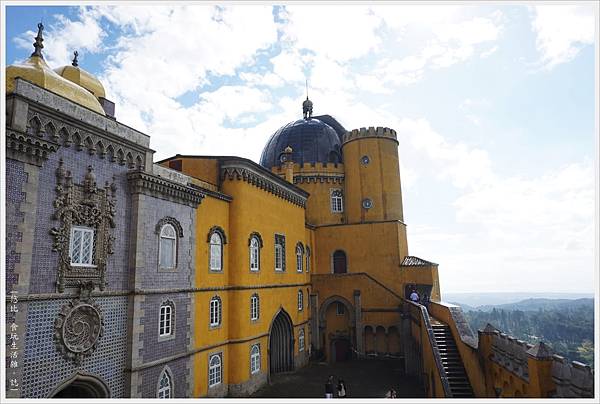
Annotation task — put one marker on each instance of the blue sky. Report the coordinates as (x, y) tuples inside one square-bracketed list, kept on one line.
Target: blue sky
[(493, 104)]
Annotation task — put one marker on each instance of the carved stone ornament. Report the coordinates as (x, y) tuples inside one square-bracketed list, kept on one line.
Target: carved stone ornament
[(88, 206), (79, 326)]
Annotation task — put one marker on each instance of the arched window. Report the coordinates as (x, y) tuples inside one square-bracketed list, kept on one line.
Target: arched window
[(301, 340), (307, 259), (254, 253), (300, 300), (165, 385), (299, 257), (216, 252), (214, 370), (165, 321), (339, 262), (167, 248), (255, 358), (254, 307), (215, 311), (337, 201)]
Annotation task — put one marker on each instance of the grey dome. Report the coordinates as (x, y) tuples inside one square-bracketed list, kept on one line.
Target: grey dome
[(312, 141)]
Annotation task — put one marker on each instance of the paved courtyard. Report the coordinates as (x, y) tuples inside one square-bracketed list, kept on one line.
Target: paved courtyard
[(364, 379)]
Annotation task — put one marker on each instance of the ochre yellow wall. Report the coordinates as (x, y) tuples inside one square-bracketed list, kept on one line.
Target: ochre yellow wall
[(276, 290), (379, 180), (318, 206), (372, 248)]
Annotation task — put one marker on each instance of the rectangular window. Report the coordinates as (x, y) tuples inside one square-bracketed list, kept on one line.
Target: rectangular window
[(164, 328), (167, 253), (340, 309), (337, 201), (81, 248), (301, 340), (254, 258), (215, 257), (279, 252)]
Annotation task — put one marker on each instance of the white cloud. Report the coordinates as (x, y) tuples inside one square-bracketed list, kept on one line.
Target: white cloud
[(60, 41), (562, 30), (339, 33), (488, 52), (451, 43)]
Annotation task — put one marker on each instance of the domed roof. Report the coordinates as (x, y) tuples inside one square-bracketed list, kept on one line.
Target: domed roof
[(82, 78), (312, 141), (39, 73)]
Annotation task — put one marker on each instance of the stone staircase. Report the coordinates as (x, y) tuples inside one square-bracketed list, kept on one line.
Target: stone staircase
[(455, 370)]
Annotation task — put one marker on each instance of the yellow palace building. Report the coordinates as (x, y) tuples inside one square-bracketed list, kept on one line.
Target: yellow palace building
[(203, 276), (308, 251)]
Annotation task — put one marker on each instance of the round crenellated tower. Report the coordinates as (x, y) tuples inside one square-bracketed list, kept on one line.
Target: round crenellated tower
[(372, 175)]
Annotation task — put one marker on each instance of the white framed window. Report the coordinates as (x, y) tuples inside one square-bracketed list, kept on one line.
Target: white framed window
[(214, 370), (340, 309), (299, 257), (301, 340), (300, 300), (255, 358), (216, 252), (307, 259), (254, 254), (167, 247), (165, 385), (337, 201), (165, 321), (81, 246), (254, 307), (215, 311)]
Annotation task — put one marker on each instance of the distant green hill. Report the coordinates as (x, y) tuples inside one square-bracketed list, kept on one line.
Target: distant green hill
[(534, 304), (567, 325)]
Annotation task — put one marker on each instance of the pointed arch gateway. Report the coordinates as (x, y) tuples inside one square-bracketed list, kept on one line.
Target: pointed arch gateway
[(281, 344)]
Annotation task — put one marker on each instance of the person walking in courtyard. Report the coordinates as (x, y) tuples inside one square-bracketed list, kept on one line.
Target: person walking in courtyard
[(341, 389), (329, 387)]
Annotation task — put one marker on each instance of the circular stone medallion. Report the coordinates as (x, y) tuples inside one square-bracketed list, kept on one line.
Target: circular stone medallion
[(81, 328)]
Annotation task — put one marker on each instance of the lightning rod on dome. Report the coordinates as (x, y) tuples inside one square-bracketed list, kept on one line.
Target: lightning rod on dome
[(75, 62)]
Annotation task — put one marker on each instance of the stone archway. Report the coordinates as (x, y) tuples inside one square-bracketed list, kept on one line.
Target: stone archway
[(281, 344), (82, 385), (340, 339)]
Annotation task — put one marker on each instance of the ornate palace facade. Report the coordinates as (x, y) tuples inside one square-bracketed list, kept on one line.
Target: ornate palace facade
[(201, 276)]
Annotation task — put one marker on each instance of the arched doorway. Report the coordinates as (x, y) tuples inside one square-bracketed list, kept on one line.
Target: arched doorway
[(281, 350), (82, 386), (339, 262)]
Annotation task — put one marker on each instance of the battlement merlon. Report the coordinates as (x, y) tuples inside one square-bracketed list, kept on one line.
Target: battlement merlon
[(371, 132)]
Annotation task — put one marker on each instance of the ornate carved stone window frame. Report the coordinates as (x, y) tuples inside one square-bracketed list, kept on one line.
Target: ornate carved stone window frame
[(88, 206)]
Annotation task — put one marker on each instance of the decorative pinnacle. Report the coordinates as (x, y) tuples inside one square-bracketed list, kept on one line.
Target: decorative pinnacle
[(307, 108), (307, 105), (75, 62), (38, 45)]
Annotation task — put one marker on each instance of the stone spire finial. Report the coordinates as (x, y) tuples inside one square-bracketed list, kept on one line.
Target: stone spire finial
[(38, 45), (75, 62)]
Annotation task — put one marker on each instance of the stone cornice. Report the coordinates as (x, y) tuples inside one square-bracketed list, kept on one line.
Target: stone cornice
[(27, 148), (141, 182), (252, 173), (319, 178)]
